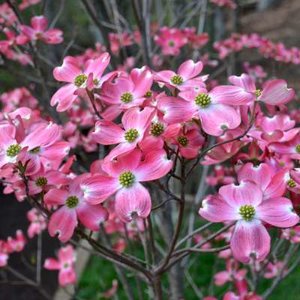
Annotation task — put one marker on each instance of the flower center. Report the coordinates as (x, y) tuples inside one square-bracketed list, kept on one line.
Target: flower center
[(126, 97), (127, 179), (247, 212), (35, 150), (41, 181), (177, 79), (183, 141), (291, 183), (131, 135), (157, 129), (258, 93), (298, 148), (148, 94), (171, 43), (80, 80), (72, 202), (13, 150), (203, 100)]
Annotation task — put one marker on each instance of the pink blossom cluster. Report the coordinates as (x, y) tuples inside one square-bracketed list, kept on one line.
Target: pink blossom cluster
[(145, 128), (11, 245), (277, 51), (15, 42), (171, 40), (134, 126)]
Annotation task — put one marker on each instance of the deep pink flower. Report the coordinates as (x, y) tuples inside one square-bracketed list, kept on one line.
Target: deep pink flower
[(244, 203), (189, 141), (3, 254), (171, 40), (123, 178), (73, 206), (65, 265), (38, 31)]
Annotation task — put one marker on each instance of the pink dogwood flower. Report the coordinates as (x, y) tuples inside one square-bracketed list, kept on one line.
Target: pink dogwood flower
[(64, 264), (124, 177), (244, 204), (187, 76), (216, 109), (232, 273), (73, 206), (171, 40), (124, 92), (38, 146), (274, 92), (77, 78), (135, 121), (38, 31), (189, 141)]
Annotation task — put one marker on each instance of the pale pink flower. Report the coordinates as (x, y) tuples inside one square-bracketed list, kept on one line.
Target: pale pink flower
[(232, 273), (274, 269), (271, 181), (64, 264), (245, 204), (119, 40), (37, 223), (291, 147), (16, 244), (277, 128), (292, 234), (38, 31), (89, 77), (274, 92), (227, 150), (112, 291)]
